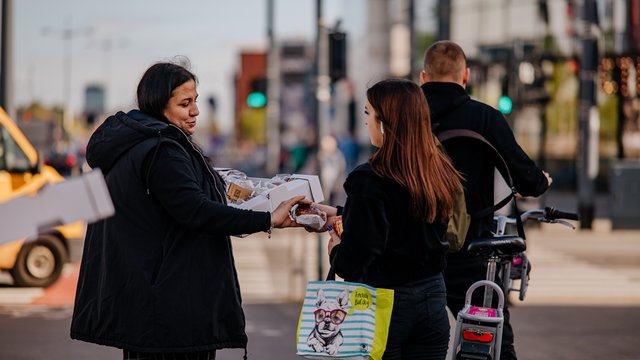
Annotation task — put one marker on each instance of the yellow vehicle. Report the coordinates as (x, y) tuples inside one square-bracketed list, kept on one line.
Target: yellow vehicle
[(36, 261)]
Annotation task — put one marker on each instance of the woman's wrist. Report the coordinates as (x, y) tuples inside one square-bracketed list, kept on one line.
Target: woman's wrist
[(328, 209)]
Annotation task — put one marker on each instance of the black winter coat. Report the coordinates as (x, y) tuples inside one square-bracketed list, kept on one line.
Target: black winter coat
[(452, 108), (383, 244), (159, 276)]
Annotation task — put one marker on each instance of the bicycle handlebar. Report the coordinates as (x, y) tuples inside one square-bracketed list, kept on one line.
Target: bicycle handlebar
[(554, 214), (548, 214)]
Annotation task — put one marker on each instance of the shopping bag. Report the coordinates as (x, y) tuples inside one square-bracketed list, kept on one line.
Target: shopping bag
[(344, 320)]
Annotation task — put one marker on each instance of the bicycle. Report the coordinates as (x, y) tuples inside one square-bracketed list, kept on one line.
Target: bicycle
[(478, 332)]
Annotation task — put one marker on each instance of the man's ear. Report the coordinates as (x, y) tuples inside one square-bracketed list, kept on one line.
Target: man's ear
[(424, 78), (465, 77)]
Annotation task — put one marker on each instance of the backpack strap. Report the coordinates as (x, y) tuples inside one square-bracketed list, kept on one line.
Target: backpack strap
[(502, 168)]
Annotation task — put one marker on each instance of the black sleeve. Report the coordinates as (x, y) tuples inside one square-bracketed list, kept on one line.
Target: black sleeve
[(528, 179), (173, 183), (365, 234)]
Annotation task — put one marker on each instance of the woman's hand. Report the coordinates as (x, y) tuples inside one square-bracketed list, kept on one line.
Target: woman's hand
[(330, 210), (549, 178), (280, 216), (334, 240), (331, 218)]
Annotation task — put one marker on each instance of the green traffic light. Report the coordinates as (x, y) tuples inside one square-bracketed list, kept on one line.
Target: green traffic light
[(505, 105), (256, 100)]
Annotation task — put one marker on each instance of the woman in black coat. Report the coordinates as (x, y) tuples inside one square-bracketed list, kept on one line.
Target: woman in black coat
[(395, 217), (158, 278)]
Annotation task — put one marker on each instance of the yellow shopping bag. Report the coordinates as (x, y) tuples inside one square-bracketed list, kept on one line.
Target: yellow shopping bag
[(344, 320)]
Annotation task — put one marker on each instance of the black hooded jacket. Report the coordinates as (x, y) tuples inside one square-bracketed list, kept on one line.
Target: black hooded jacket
[(452, 108), (383, 243), (159, 275)]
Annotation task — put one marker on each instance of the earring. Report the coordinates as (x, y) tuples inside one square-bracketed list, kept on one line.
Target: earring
[(381, 128)]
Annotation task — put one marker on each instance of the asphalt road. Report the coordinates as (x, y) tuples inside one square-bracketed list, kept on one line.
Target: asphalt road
[(542, 333)]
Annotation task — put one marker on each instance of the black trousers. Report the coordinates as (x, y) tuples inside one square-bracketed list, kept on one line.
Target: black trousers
[(461, 272), (201, 355), (419, 328)]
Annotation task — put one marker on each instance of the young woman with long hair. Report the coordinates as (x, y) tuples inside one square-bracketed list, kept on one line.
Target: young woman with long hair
[(395, 218)]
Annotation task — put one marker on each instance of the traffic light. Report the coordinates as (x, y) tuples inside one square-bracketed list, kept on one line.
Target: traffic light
[(505, 105), (337, 55), (257, 97)]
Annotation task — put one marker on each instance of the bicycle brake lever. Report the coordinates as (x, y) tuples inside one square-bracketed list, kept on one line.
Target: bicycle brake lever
[(563, 222)]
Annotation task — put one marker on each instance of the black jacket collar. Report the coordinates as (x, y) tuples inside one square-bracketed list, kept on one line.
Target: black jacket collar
[(443, 97)]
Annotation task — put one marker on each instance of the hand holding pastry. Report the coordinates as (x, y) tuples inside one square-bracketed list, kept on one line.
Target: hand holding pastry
[(280, 216), (309, 216)]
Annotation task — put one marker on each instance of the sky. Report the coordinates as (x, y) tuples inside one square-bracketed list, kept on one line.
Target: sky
[(114, 41)]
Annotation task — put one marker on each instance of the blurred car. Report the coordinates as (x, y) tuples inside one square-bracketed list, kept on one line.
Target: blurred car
[(66, 162)]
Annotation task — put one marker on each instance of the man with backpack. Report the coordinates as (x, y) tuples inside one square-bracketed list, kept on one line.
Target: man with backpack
[(444, 78)]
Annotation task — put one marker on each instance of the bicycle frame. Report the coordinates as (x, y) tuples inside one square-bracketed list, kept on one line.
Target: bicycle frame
[(506, 264), (479, 329)]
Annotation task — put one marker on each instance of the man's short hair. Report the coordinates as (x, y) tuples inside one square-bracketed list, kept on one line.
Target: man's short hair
[(445, 60)]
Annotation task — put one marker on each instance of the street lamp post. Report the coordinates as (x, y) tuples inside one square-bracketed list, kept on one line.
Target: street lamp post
[(320, 103), (67, 33), (6, 52), (273, 96), (588, 122), (108, 45)]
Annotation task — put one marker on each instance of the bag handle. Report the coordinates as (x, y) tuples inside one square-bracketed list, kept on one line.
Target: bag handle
[(502, 168), (331, 275)]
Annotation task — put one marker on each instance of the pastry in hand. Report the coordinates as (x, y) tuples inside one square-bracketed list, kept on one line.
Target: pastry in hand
[(309, 215)]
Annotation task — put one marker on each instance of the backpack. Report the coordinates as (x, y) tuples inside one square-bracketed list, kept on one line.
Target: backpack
[(460, 219)]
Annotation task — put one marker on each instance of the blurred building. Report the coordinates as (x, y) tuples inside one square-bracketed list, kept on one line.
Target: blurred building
[(42, 126), (297, 127), (530, 55), (39, 124), (297, 124), (250, 114)]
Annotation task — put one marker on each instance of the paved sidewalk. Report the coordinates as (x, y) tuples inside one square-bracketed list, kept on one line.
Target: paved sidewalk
[(596, 267), (570, 267), (61, 293)]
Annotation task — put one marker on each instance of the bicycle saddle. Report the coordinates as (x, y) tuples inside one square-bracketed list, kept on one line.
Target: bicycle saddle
[(506, 244)]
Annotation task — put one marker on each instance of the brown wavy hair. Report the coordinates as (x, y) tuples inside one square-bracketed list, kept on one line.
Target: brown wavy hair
[(408, 153)]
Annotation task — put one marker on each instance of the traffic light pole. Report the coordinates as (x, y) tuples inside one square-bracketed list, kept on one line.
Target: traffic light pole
[(587, 164), (5, 56), (444, 19), (320, 102), (273, 97)]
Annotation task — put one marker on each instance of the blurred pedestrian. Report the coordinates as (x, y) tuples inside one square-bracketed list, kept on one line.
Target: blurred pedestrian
[(444, 79), (395, 218), (158, 278)]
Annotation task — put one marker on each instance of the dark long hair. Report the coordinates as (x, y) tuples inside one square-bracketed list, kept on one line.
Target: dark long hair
[(157, 84), (408, 153)]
